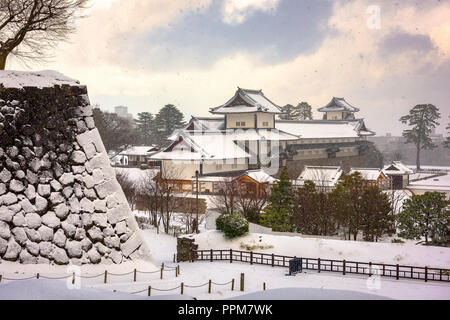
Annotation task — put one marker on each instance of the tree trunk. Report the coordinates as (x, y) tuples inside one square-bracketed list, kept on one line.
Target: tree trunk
[(418, 157), (3, 57)]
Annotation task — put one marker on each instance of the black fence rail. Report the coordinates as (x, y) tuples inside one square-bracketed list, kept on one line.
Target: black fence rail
[(327, 265)]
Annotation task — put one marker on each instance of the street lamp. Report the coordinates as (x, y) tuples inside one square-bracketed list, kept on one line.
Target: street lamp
[(196, 182)]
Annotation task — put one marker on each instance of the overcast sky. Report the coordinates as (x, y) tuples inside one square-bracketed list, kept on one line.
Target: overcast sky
[(147, 53)]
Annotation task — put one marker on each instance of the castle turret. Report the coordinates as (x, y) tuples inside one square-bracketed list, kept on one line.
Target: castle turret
[(338, 109)]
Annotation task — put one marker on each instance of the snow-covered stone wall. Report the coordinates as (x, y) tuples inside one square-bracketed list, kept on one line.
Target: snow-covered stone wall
[(59, 199)]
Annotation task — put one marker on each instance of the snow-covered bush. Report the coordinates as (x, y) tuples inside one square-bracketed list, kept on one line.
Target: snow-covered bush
[(232, 225)]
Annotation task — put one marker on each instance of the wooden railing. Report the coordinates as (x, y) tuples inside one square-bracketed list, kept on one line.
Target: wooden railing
[(327, 265)]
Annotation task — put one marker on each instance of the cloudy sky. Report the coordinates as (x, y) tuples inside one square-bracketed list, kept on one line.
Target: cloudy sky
[(194, 53)]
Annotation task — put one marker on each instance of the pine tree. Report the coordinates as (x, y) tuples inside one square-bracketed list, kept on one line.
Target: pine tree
[(425, 216), (144, 127), (422, 118), (277, 214), (166, 121), (447, 140), (377, 218), (302, 111)]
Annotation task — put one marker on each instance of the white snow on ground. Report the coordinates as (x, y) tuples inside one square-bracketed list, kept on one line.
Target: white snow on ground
[(137, 174), (389, 253), (198, 273)]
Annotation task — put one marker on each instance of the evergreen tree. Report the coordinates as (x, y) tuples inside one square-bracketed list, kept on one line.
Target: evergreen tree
[(117, 133), (302, 111), (166, 121), (425, 216), (422, 118), (377, 218), (144, 127), (347, 203), (277, 214), (447, 140)]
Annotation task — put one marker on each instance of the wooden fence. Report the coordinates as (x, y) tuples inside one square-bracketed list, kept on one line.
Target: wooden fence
[(328, 265)]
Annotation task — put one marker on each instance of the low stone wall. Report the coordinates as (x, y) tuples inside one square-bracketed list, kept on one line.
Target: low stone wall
[(185, 249)]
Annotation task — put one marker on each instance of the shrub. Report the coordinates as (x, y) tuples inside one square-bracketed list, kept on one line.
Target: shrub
[(397, 241), (143, 167), (232, 225)]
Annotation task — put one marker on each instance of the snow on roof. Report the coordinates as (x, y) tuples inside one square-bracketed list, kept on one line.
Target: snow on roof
[(245, 100), (434, 182), (324, 176), (138, 150), (38, 79), (260, 176), (338, 104), (318, 128), (397, 168), (370, 174), (202, 146)]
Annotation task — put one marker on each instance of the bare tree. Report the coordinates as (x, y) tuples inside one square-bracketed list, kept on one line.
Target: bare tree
[(30, 28), (129, 187), (161, 195), (226, 200)]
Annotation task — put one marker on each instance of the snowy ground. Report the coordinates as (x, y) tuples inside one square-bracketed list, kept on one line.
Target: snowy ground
[(163, 248)]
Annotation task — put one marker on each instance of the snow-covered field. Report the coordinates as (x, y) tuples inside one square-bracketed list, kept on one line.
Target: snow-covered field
[(309, 284)]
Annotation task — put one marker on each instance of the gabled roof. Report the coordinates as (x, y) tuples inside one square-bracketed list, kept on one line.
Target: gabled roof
[(202, 146), (139, 150), (206, 123), (260, 176), (322, 176), (396, 168), (338, 104), (370, 174), (246, 100)]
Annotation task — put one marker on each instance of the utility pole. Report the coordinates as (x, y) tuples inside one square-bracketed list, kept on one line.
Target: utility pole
[(196, 182)]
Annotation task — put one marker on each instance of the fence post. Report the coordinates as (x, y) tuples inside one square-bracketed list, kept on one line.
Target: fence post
[(398, 276), (343, 267), (221, 255), (426, 274), (149, 291), (134, 275), (318, 264), (264, 286), (242, 281), (176, 272), (370, 269), (178, 266), (273, 260), (1, 278), (162, 272), (37, 275), (73, 277), (162, 265), (357, 268), (440, 275), (106, 276), (182, 287), (232, 284), (174, 258), (211, 258), (384, 267), (251, 257), (241, 256), (231, 255), (201, 255), (331, 266), (209, 286)]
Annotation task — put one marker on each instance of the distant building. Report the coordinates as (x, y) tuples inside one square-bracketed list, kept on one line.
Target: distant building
[(245, 135), (122, 111), (324, 177), (135, 156), (372, 176), (398, 174)]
